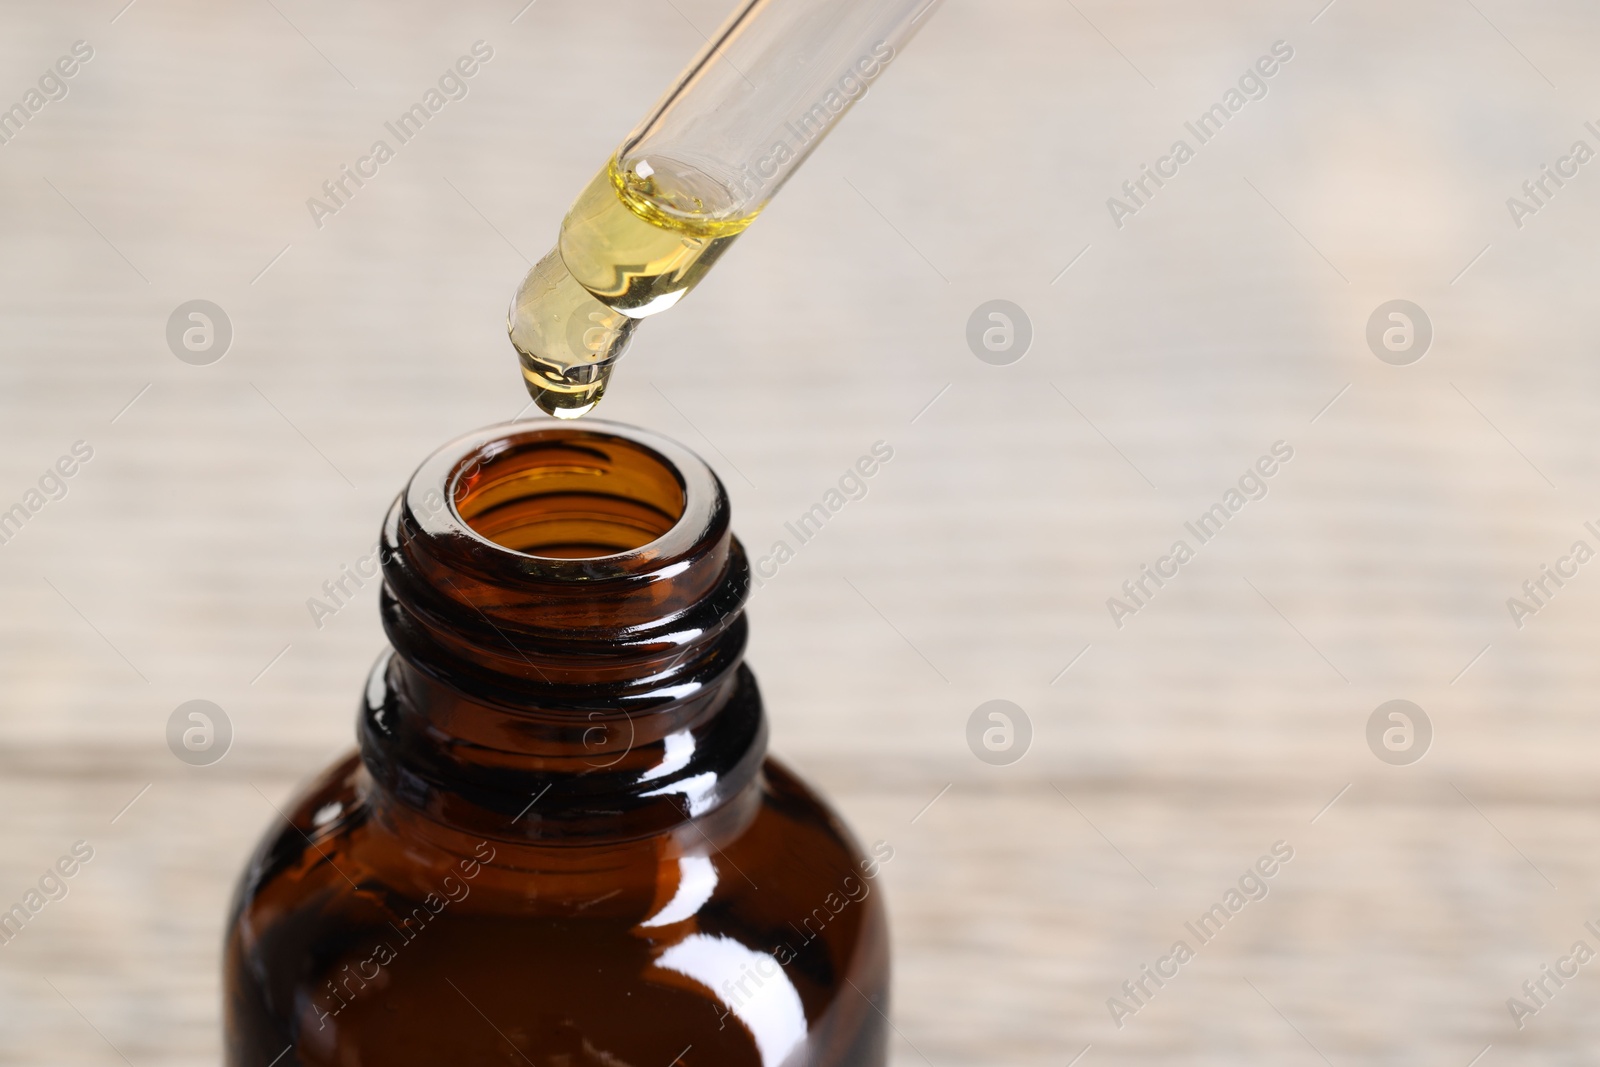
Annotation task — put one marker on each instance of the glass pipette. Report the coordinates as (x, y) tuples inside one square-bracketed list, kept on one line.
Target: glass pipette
[(741, 119)]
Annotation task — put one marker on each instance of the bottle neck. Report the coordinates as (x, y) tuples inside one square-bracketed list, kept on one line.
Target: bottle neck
[(565, 609)]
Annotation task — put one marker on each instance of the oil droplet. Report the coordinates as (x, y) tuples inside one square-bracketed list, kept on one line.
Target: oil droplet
[(566, 340), (563, 399)]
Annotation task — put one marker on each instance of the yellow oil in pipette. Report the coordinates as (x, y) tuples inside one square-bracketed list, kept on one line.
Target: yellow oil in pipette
[(635, 242)]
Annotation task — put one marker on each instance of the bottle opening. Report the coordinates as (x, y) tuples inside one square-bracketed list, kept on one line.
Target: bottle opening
[(580, 495)]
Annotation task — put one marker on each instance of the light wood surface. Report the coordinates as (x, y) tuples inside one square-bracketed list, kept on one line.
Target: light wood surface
[(1226, 315)]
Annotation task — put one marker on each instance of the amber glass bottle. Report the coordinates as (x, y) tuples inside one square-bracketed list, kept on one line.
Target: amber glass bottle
[(561, 843)]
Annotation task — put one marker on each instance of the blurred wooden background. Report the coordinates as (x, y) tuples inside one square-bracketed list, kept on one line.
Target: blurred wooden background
[(1228, 314)]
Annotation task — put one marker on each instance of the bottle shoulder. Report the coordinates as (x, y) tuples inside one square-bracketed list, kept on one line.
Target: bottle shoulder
[(335, 840)]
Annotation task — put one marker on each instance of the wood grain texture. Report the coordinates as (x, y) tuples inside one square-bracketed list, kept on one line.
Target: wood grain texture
[(1226, 315)]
